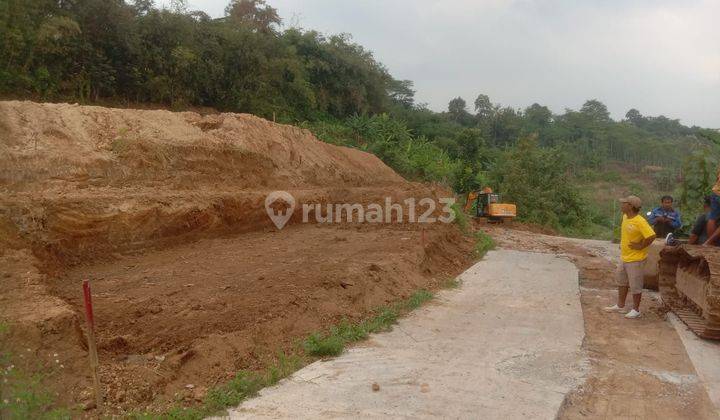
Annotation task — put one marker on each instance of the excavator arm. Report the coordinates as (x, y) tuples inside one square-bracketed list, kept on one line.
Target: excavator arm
[(471, 197)]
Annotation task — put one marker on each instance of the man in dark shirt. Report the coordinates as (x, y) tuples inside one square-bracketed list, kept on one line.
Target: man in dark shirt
[(698, 235)]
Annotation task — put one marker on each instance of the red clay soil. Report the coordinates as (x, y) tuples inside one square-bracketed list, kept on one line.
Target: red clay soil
[(164, 213)]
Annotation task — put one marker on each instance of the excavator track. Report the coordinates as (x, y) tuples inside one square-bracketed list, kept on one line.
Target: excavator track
[(689, 282)]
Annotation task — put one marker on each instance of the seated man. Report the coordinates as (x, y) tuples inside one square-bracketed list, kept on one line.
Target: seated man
[(714, 215), (698, 235), (664, 219)]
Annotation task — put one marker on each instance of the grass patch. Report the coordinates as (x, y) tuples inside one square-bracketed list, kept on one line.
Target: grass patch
[(417, 299), (460, 218), (245, 384), (349, 332), (318, 345), (385, 318), (483, 244), (333, 343), (22, 394), (284, 367), (452, 283)]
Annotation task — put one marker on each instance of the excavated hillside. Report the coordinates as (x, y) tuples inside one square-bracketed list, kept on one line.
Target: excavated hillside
[(84, 181), (165, 214)]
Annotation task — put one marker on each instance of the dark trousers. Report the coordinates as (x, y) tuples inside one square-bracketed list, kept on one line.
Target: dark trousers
[(662, 230)]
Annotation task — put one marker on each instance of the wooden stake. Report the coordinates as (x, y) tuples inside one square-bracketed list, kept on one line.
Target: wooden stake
[(92, 347)]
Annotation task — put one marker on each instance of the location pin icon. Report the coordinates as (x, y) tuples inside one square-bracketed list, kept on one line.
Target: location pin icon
[(279, 206)]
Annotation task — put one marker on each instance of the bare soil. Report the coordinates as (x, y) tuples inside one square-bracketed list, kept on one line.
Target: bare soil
[(197, 313), (164, 213)]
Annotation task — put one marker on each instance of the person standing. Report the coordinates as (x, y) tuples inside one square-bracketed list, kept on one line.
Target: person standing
[(636, 235), (665, 219)]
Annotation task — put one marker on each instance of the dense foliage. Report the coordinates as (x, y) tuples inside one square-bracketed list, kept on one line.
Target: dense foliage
[(132, 53), (109, 49)]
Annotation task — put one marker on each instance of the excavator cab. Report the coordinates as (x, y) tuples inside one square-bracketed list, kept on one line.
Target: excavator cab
[(489, 205)]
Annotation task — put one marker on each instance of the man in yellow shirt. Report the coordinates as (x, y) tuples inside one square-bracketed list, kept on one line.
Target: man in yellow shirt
[(636, 235)]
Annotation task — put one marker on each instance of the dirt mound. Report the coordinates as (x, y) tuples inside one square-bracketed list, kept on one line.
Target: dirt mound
[(80, 182), (63, 147), (165, 213)]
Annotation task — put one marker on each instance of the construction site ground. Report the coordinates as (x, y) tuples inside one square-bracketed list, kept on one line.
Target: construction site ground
[(174, 322), (487, 360), (164, 214)]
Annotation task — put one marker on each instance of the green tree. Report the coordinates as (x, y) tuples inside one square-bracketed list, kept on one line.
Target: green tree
[(255, 14), (457, 109), (401, 92), (634, 116), (505, 127), (538, 116), (595, 110), (699, 172), (484, 109), (536, 179)]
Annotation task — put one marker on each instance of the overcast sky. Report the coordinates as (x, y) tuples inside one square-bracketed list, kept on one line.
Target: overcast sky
[(659, 56)]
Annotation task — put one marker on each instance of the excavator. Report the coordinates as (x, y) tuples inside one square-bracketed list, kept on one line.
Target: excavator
[(489, 206)]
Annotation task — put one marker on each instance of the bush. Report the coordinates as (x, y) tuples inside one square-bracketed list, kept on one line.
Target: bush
[(391, 141), (537, 181), (318, 345), (460, 218), (483, 244)]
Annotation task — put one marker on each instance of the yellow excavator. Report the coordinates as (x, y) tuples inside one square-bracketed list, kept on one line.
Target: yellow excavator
[(489, 205)]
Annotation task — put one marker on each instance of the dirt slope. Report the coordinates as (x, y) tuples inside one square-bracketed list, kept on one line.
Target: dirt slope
[(164, 212), (78, 180), (63, 147)]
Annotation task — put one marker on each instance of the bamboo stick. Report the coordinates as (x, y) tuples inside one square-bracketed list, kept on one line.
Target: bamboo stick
[(92, 347)]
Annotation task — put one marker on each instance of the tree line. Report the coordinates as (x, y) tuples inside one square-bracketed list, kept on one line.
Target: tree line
[(94, 50), (131, 52)]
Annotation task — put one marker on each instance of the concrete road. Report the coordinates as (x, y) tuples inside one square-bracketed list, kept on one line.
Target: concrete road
[(705, 356), (504, 345)]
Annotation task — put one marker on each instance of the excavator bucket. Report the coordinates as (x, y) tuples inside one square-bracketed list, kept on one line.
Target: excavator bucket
[(689, 281)]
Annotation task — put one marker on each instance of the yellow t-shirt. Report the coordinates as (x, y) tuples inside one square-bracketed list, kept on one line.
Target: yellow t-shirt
[(634, 229)]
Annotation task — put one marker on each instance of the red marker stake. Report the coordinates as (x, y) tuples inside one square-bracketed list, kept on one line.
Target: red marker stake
[(94, 363)]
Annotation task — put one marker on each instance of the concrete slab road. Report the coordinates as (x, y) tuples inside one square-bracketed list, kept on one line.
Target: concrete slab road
[(505, 345)]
